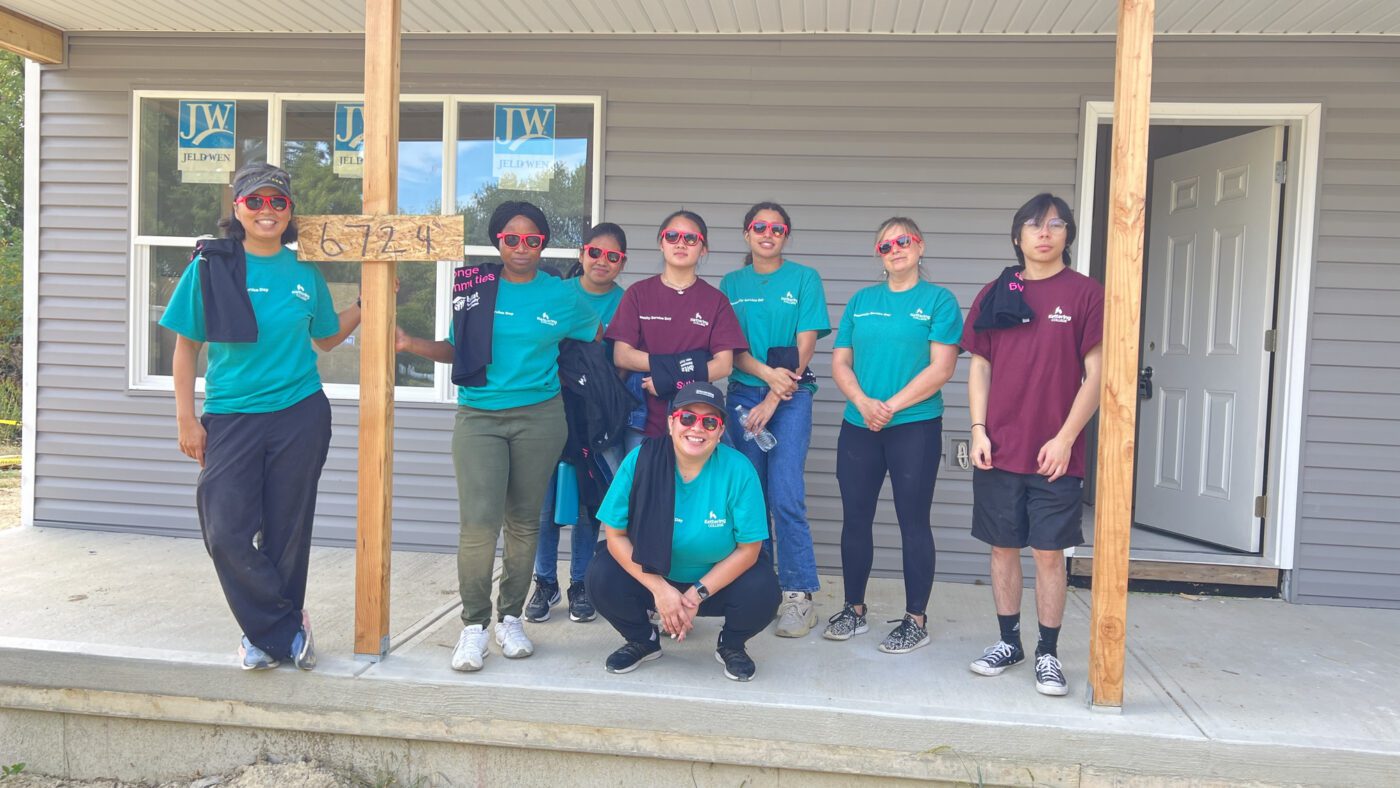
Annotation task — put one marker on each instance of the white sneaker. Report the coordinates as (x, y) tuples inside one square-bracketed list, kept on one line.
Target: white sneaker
[(796, 615), (510, 636), (471, 649)]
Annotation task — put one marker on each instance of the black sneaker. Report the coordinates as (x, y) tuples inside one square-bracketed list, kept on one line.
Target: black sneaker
[(580, 609), (737, 664), (546, 596), (1049, 678), (632, 654), (904, 638), (996, 659), (844, 624)]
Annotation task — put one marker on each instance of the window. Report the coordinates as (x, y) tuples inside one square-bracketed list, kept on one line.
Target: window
[(457, 154)]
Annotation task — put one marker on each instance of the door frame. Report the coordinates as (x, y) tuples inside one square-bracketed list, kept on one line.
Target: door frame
[(1296, 260)]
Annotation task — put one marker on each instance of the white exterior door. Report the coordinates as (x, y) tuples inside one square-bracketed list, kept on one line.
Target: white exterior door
[(1209, 300)]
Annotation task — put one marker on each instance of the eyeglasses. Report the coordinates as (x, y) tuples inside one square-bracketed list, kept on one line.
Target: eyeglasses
[(760, 227), (903, 242), (1055, 226), (613, 256), (532, 240), (255, 202), (682, 236), (687, 418)]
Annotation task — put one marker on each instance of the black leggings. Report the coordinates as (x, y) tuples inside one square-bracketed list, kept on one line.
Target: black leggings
[(910, 454)]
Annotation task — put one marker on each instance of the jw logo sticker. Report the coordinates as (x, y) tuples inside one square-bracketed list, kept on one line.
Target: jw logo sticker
[(522, 150), (348, 148), (206, 141), (1058, 316)]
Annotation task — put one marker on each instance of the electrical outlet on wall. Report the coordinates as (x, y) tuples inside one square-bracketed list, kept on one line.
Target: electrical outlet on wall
[(957, 452)]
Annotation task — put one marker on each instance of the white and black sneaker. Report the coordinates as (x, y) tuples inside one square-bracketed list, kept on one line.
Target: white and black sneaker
[(904, 638), (1049, 678), (546, 596), (632, 654), (996, 659), (844, 624)]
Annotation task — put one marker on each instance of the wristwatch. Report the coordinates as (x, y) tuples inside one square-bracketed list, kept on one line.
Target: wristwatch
[(701, 591)]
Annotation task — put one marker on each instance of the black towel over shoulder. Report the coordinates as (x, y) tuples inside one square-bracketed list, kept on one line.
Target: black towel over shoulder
[(474, 289), (223, 284), (1004, 306), (651, 505)]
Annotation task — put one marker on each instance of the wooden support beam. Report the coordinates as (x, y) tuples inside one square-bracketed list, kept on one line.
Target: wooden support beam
[(376, 475), (30, 38), (1122, 302)]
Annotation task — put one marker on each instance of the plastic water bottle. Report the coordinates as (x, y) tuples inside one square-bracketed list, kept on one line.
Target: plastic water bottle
[(765, 439)]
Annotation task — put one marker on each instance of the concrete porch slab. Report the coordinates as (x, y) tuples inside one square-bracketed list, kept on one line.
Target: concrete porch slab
[(1217, 691)]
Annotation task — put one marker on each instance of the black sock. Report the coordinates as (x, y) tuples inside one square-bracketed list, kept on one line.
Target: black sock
[(1049, 641), (1010, 628)]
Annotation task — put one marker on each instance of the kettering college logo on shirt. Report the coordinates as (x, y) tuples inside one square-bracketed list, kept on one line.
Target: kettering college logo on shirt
[(699, 320), (547, 320), (1058, 316), (789, 299), (715, 521), (918, 314), (301, 293)]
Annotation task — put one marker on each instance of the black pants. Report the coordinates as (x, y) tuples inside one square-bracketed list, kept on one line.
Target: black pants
[(747, 604), (260, 474), (910, 454)]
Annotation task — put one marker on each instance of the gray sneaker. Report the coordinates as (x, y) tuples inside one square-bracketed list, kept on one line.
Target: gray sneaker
[(254, 658), (845, 624), (303, 647), (796, 615), (906, 637)]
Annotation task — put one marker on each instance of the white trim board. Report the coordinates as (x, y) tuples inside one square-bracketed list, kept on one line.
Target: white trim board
[(1304, 122), (29, 408)]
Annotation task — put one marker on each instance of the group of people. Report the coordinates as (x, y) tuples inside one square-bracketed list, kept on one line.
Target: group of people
[(698, 492)]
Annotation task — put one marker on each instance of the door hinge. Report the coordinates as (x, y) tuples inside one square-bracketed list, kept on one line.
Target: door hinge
[(1271, 340), (1261, 505), (1280, 172)]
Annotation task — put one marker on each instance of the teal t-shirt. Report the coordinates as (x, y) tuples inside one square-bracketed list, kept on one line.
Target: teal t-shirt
[(605, 305), (889, 335), (292, 305), (532, 318), (773, 308), (718, 510)]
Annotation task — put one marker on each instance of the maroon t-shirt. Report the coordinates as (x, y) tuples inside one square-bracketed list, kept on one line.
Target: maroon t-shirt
[(657, 319), (1037, 367)]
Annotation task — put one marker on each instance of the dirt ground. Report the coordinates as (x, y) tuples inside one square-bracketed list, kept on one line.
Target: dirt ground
[(258, 775), (9, 500)]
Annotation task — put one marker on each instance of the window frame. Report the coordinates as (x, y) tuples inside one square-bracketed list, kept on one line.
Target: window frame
[(140, 247)]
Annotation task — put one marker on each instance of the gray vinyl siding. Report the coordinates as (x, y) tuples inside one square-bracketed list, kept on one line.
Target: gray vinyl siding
[(845, 132)]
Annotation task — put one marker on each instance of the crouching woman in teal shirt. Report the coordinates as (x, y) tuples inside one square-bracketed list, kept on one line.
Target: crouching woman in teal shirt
[(266, 426), (684, 520)]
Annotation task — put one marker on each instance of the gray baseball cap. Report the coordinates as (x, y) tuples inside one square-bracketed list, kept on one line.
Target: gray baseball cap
[(252, 177)]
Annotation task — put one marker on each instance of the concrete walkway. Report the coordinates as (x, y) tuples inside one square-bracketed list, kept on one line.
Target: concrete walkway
[(111, 640)]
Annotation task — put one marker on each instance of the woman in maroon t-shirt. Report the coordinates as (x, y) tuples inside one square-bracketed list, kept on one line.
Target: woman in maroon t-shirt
[(671, 315)]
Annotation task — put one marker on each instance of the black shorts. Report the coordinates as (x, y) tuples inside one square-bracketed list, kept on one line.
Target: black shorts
[(1025, 510)]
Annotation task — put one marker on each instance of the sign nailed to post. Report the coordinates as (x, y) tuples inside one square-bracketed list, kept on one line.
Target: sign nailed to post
[(349, 239), (207, 140), (348, 148)]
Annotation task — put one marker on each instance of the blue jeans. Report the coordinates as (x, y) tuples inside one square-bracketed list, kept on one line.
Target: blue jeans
[(585, 532), (780, 473)]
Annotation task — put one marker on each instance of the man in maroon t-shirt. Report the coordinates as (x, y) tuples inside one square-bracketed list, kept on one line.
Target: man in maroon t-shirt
[(1033, 385)]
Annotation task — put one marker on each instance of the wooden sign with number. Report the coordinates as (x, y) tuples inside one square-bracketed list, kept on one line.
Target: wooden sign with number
[(351, 239)]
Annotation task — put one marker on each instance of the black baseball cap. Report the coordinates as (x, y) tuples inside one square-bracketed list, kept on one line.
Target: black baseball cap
[(259, 174), (699, 393)]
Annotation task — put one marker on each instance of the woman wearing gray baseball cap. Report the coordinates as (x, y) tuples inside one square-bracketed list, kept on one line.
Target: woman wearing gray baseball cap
[(266, 426), (684, 520)]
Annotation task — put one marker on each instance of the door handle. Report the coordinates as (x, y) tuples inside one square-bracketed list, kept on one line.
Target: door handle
[(1145, 383)]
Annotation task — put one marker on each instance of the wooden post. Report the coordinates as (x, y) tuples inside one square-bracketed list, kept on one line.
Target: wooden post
[(376, 475), (1123, 297), (30, 38)]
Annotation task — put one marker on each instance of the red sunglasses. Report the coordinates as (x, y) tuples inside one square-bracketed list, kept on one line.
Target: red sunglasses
[(612, 255), (760, 227), (255, 202), (512, 240), (682, 236), (687, 418), (903, 242)]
